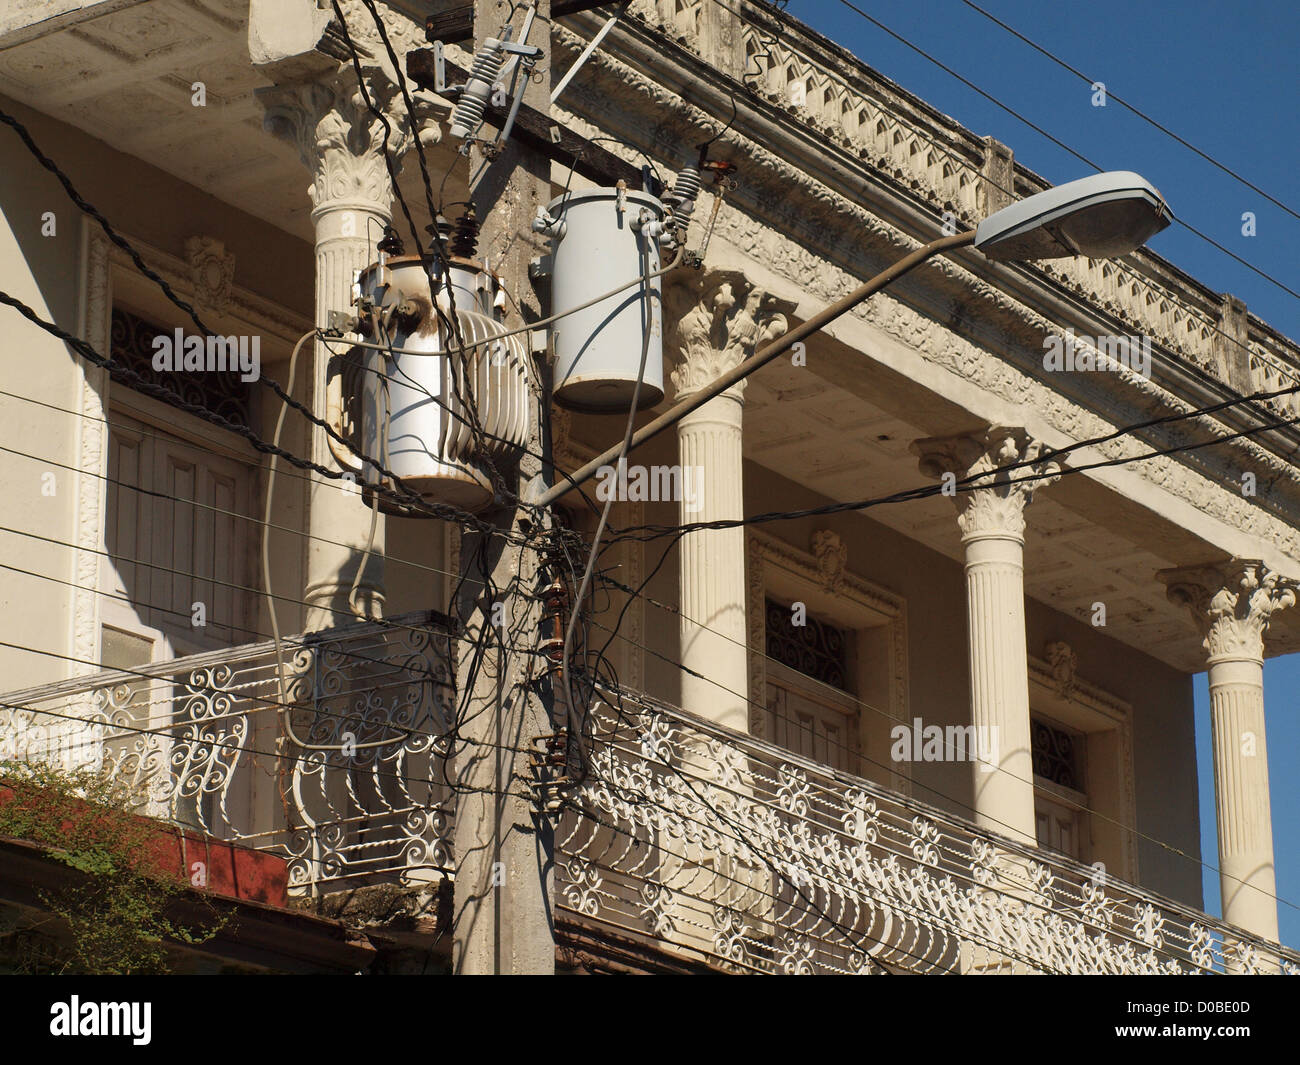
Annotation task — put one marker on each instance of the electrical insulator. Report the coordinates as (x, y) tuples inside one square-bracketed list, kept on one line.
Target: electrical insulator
[(436, 414), (468, 113), (598, 241), (681, 200)]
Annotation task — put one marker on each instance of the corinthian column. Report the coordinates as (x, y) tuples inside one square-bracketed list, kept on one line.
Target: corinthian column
[(342, 143), (992, 521), (1232, 605), (721, 318)]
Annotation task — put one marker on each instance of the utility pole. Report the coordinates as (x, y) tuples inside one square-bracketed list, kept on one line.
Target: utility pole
[(503, 841)]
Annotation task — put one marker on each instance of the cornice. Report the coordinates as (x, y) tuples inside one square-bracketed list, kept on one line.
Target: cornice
[(772, 185)]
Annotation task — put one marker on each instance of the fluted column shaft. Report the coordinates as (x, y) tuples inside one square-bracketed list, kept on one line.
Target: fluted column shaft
[(1232, 604), (990, 508), (712, 572), (999, 682), (343, 145), (720, 318), (1241, 797), (334, 514)]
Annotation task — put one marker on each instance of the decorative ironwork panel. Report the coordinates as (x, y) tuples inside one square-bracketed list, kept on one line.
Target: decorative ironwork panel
[(814, 648), (1055, 754), (220, 391), (731, 850), (344, 777)]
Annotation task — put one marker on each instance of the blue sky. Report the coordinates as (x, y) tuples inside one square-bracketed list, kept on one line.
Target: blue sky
[(1223, 76)]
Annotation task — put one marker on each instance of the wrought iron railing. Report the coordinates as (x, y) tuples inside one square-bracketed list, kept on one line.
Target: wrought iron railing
[(689, 837), (343, 777), (723, 847)]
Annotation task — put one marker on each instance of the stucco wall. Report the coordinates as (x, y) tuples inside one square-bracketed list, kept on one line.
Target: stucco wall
[(43, 273), (155, 211)]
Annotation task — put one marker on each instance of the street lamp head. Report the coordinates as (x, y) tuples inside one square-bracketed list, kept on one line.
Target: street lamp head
[(1102, 216)]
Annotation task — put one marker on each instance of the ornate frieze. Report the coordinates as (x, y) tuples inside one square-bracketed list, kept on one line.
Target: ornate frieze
[(1231, 604), (844, 103), (996, 505), (619, 93)]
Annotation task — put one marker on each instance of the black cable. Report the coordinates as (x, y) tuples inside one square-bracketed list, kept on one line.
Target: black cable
[(1059, 143), (960, 485), (132, 379), (158, 280), (1134, 110)]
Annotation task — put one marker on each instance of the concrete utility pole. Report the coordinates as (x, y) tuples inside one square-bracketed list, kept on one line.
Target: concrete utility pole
[(504, 919)]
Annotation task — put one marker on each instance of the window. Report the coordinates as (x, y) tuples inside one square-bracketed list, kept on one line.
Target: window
[(181, 542), (831, 688), (815, 649), (1060, 804), (810, 718), (132, 340)]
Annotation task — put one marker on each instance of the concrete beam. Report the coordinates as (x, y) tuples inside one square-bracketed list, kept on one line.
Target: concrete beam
[(284, 37), (28, 20)]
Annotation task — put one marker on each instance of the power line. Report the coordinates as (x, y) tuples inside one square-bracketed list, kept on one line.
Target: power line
[(137, 381), (167, 290), (271, 703), (453, 733), (349, 488), (427, 184), (639, 797), (1135, 110), (961, 485), (1233, 340), (1059, 143), (625, 692), (211, 741), (383, 622), (511, 590), (264, 636), (927, 916), (224, 512), (490, 590)]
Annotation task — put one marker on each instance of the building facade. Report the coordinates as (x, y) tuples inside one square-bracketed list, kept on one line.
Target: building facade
[(943, 733)]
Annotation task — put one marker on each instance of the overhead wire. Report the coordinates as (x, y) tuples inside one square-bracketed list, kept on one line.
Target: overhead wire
[(959, 161), (857, 752), (1133, 109), (1059, 143), (589, 569), (121, 242), (961, 485)]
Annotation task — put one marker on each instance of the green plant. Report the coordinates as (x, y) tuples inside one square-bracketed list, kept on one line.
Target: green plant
[(116, 914)]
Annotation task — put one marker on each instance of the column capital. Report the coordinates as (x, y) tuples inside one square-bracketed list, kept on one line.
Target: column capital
[(1231, 604), (721, 319), (340, 140), (997, 506)]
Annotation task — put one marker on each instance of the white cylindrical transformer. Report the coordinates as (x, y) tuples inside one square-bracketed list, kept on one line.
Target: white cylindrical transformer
[(421, 406), (598, 243)]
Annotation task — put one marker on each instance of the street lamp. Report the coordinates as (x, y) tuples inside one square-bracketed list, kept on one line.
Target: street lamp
[(1102, 216)]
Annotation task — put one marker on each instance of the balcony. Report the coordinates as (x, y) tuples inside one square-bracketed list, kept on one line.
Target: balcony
[(685, 840), (752, 859), (341, 778)]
